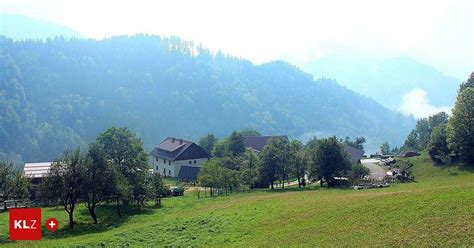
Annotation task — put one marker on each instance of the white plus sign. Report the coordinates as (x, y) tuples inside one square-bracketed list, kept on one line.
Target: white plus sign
[(52, 224)]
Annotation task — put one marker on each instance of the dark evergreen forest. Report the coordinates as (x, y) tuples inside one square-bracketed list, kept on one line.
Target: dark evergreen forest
[(60, 93)]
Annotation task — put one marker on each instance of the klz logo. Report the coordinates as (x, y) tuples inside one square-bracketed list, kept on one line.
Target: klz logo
[(25, 224)]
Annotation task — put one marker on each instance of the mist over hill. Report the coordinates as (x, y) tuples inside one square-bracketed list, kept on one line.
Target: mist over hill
[(58, 94), (401, 83), (20, 27)]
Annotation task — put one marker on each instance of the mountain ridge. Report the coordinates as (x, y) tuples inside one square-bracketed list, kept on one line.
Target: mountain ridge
[(64, 92)]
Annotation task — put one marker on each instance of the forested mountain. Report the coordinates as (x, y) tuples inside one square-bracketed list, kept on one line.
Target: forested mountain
[(20, 27), (387, 80), (58, 94)]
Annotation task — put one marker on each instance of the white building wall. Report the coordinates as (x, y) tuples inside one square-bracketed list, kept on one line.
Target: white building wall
[(172, 170), (163, 167)]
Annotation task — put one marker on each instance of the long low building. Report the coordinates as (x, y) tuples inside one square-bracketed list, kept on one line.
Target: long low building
[(36, 170)]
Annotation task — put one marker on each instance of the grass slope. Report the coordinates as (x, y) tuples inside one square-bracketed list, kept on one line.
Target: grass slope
[(435, 211)]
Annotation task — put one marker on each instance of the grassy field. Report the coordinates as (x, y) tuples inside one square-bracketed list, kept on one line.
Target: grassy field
[(437, 210), (171, 181)]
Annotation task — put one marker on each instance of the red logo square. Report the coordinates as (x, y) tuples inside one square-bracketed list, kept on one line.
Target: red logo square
[(25, 224)]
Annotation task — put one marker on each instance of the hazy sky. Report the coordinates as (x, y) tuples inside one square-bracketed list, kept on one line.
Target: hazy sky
[(438, 33)]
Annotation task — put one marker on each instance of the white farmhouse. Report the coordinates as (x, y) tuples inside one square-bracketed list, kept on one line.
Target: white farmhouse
[(178, 158)]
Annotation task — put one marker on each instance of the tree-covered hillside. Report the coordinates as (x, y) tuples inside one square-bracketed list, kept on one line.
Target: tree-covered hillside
[(58, 94)]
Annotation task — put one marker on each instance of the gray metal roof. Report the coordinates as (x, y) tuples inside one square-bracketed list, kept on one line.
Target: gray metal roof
[(36, 170), (354, 154)]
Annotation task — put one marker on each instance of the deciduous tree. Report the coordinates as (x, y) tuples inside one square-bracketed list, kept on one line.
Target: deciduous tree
[(460, 134), (236, 144), (63, 181), (249, 132), (249, 169), (297, 161), (96, 180), (124, 150), (358, 143), (207, 142), (358, 172), (21, 187), (328, 160), (211, 174), (274, 161), (438, 146), (159, 189), (385, 148), (6, 179)]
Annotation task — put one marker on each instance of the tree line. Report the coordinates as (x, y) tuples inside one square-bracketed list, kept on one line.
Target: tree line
[(13, 183), (448, 138), (114, 170), (237, 168)]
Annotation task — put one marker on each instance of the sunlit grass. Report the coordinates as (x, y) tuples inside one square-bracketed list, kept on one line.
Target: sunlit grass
[(437, 210)]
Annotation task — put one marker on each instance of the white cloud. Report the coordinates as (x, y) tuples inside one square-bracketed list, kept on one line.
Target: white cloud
[(416, 103)]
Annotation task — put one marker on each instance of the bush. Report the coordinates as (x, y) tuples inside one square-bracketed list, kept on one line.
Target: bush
[(438, 147), (405, 171), (178, 191), (340, 183), (357, 173), (167, 192)]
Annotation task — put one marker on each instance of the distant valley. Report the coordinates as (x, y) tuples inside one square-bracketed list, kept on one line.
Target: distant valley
[(401, 84)]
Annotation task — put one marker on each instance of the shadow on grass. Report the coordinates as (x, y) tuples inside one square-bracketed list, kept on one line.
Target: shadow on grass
[(461, 165), (442, 165), (466, 167), (293, 189), (456, 162), (107, 219), (59, 208)]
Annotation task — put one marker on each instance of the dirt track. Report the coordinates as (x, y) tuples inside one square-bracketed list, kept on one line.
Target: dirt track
[(376, 171)]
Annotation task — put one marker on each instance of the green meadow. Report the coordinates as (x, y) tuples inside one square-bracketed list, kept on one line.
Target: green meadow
[(436, 210)]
